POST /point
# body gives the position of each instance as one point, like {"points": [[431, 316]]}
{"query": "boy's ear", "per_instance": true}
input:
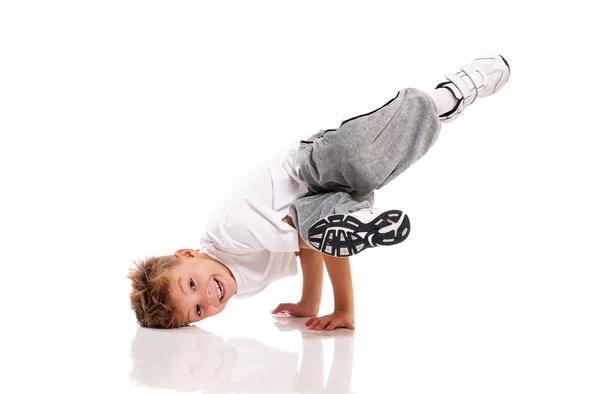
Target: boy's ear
{"points": [[185, 253]]}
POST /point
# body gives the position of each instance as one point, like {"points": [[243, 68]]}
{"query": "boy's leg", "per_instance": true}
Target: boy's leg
{"points": [[343, 167], [370, 150], [444, 100], [308, 210]]}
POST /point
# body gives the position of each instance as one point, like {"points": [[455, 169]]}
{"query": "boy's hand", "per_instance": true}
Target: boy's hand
{"points": [[298, 309], [332, 321]]}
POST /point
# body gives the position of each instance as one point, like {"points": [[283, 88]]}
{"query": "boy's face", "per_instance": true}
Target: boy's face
{"points": [[201, 286]]}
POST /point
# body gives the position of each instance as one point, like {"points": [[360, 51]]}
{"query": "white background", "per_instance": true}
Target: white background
{"points": [[121, 122]]}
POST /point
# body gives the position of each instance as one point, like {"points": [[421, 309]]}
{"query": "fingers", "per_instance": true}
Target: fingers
{"points": [[319, 323], [322, 324], [327, 323], [313, 322], [282, 308]]}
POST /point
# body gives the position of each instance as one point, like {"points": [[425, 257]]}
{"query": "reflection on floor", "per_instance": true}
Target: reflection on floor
{"points": [[191, 358]]}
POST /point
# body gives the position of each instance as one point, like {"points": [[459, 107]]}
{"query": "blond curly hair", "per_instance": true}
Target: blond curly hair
{"points": [[151, 292]]}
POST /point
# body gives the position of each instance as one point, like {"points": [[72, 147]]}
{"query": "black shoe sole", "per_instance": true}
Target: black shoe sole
{"points": [[337, 235]]}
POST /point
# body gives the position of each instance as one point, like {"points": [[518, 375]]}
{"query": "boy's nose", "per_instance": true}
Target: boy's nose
{"points": [[208, 300]]}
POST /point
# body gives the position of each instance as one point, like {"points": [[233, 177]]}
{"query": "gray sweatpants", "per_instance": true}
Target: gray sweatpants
{"points": [[343, 167]]}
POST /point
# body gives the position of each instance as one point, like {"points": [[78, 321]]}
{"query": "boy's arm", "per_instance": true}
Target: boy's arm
{"points": [[341, 281], [312, 279], [311, 261], [312, 286], [343, 294]]}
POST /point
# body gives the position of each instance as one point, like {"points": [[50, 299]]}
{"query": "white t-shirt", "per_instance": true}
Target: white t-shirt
{"points": [[245, 230]]}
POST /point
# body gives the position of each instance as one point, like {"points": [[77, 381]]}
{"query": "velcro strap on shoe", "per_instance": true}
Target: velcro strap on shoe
{"points": [[476, 75], [462, 87], [453, 89]]}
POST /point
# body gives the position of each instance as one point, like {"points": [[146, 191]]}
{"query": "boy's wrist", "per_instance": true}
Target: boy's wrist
{"points": [[310, 304], [344, 309]]}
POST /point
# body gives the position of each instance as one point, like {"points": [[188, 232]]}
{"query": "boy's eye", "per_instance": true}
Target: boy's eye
{"points": [[198, 311], [192, 285]]}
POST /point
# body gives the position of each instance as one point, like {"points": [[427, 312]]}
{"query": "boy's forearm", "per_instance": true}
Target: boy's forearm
{"points": [[341, 281], [312, 270], [312, 277]]}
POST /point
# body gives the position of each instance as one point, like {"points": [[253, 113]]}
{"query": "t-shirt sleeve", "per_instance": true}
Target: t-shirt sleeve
{"points": [[251, 226]]}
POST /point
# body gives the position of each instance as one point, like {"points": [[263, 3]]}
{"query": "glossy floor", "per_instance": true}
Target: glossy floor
{"points": [[192, 359], [436, 344]]}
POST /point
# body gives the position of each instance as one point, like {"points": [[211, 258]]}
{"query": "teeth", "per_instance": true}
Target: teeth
{"points": [[220, 290]]}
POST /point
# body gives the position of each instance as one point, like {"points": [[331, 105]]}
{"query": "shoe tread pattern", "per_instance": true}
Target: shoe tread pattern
{"points": [[338, 235]]}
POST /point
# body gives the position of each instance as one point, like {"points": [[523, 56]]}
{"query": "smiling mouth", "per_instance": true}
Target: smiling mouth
{"points": [[220, 289]]}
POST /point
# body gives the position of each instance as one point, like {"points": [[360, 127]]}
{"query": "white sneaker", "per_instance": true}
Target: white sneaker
{"points": [[349, 234], [480, 78]]}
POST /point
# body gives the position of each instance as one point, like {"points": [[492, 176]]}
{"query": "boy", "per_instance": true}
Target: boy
{"points": [[313, 200]]}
